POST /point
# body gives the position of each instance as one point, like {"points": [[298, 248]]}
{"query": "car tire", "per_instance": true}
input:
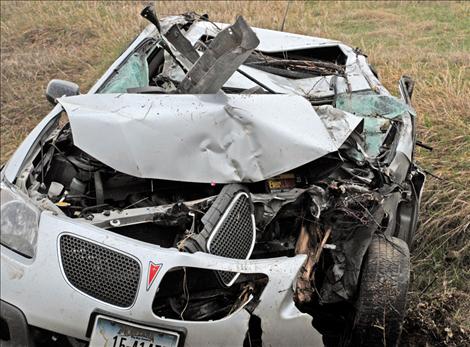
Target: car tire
{"points": [[380, 306]]}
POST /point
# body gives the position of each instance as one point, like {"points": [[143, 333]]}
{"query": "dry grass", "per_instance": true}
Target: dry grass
{"points": [[429, 41]]}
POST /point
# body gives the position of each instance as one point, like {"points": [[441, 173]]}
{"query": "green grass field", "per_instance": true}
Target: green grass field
{"points": [[429, 41]]}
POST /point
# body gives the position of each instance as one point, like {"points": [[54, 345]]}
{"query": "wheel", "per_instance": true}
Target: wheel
{"points": [[380, 306]]}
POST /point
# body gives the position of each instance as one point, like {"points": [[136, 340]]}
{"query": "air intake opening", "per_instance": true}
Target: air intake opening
{"points": [[100, 272], [195, 294], [229, 229]]}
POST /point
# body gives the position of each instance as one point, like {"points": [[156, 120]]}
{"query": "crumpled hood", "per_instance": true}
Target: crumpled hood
{"points": [[202, 138]]}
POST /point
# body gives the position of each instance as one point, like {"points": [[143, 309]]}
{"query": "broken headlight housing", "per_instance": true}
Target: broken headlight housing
{"points": [[19, 222]]}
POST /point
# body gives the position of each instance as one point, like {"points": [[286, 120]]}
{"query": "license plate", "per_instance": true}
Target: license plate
{"points": [[116, 333]]}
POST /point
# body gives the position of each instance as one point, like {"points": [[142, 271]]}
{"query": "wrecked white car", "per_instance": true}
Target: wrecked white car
{"points": [[220, 185]]}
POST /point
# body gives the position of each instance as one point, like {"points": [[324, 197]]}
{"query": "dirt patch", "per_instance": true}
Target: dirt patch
{"points": [[49, 36], [433, 320]]}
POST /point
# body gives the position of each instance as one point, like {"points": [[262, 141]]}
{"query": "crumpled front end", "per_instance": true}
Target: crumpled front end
{"points": [[70, 250]]}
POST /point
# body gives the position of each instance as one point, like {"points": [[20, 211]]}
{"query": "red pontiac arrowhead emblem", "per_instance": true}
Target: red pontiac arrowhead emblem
{"points": [[153, 271]]}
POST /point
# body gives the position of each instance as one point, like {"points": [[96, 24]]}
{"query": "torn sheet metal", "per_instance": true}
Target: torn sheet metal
{"points": [[268, 205], [225, 54], [200, 138], [337, 122], [357, 74], [281, 321], [271, 41], [181, 43]]}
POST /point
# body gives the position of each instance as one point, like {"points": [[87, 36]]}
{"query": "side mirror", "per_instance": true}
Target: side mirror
{"points": [[149, 13], [406, 85], [58, 88]]}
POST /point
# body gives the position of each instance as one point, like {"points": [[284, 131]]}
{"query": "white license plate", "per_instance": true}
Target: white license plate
{"points": [[116, 333]]}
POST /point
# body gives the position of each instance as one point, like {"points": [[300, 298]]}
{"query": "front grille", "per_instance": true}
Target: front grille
{"points": [[100, 272], [234, 234]]}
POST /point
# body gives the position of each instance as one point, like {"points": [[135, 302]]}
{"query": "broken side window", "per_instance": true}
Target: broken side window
{"points": [[136, 70], [380, 113]]}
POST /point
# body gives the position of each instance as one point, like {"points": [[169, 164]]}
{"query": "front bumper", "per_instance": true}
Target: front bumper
{"points": [[38, 288], [17, 326]]}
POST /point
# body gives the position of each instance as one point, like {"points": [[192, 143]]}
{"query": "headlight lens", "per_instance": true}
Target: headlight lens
{"points": [[19, 223]]}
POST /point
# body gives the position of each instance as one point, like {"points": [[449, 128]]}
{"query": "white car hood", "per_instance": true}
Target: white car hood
{"points": [[216, 138]]}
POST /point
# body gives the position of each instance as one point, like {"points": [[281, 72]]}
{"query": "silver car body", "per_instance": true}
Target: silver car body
{"points": [[38, 286]]}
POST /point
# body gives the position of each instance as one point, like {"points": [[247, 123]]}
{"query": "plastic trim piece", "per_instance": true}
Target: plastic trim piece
{"points": [[17, 326], [222, 220]]}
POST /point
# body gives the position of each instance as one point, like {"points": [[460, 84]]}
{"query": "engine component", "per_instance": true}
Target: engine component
{"points": [[77, 186], [55, 189], [202, 297]]}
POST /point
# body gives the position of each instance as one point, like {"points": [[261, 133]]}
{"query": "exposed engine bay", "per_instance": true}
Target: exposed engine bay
{"points": [[328, 208]]}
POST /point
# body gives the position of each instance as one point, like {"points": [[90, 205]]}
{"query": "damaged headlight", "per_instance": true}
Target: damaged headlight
{"points": [[19, 222]]}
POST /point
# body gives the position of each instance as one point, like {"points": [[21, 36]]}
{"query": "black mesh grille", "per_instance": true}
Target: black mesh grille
{"points": [[234, 237], [104, 274]]}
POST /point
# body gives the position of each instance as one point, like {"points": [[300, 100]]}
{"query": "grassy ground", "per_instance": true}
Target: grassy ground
{"points": [[428, 41]]}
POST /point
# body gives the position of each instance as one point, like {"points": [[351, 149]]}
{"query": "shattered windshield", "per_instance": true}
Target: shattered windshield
{"points": [[133, 74]]}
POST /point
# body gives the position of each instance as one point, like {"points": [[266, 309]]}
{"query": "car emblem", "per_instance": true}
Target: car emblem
{"points": [[152, 274]]}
